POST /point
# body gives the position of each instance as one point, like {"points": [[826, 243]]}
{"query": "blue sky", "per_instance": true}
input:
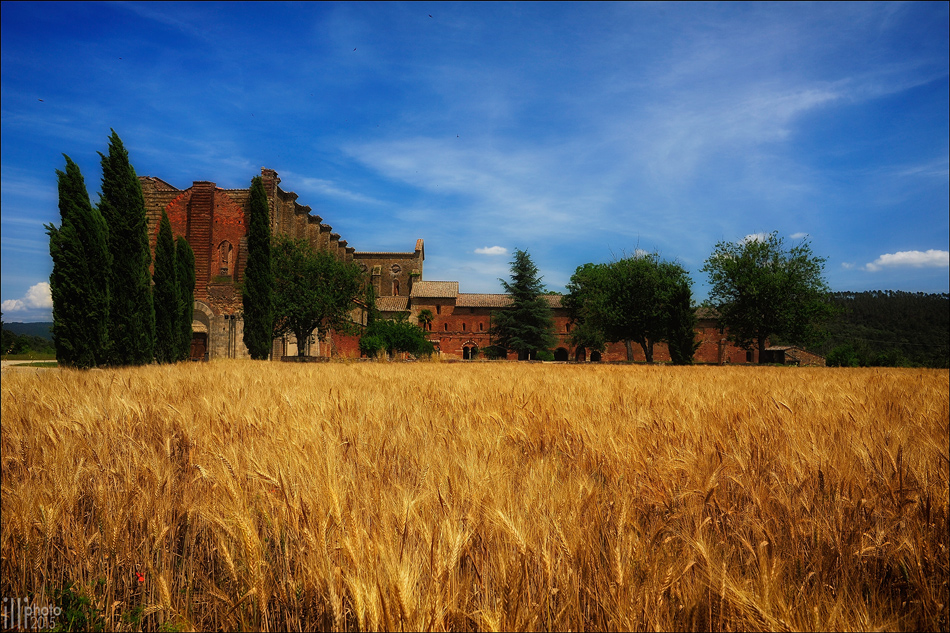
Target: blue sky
{"points": [[578, 132]]}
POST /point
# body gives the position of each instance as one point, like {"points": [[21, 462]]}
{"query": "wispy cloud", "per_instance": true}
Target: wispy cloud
{"points": [[492, 250], [916, 259], [322, 187]]}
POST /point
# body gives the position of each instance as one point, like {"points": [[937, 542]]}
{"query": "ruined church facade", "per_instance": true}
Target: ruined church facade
{"points": [[215, 223]]}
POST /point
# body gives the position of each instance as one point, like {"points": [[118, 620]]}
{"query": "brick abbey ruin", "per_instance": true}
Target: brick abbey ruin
{"points": [[213, 221]]}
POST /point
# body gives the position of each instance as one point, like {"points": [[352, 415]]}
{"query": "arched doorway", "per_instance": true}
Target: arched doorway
{"points": [[580, 354], [595, 357], [200, 329], [560, 354]]}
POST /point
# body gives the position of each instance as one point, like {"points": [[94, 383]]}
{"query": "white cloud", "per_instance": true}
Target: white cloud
{"points": [[37, 297], [917, 259], [798, 236], [755, 237], [492, 250]]}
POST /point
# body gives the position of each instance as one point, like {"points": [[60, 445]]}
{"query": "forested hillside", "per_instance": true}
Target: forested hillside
{"points": [[889, 328], [42, 329]]}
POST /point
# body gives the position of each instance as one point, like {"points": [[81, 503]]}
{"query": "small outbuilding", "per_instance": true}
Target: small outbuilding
{"points": [[790, 355]]}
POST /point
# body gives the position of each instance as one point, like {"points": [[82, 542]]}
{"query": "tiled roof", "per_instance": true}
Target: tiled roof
{"points": [[392, 304], [472, 300], [441, 289]]}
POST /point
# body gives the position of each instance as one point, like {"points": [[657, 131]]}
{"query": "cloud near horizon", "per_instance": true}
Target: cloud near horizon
{"points": [[918, 259], [38, 297]]}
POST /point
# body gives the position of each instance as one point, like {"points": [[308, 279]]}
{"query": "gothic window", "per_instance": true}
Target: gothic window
{"points": [[463, 327], [481, 327], [224, 257], [445, 327], [395, 287]]}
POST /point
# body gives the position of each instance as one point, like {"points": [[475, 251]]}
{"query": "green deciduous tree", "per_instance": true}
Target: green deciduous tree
{"points": [[639, 299], [762, 289], [167, 296], [526, 326], [395, 335], [79, 282], [257, 289], [587, 301], [313, 290], [681, 318], [185, 260], [131, 308]]}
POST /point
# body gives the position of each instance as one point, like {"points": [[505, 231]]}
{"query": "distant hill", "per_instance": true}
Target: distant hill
{"points": [[40, 329], [890, 327]]}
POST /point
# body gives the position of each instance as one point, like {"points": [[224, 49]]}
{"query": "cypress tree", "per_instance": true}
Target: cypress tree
{"points": [[131, 310], [526, 327], [185, 258], [257, 291], [167, 300], [79, 283]]}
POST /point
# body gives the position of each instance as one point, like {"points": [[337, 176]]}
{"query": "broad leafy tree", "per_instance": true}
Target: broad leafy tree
{"points": [[681, 316], [79, 282], [257, 289], [395, 335], [131, 308], [185, 260], [526, 326], [313, 290], [639, 299], [168, 329], [761, 289], [586, 299]]}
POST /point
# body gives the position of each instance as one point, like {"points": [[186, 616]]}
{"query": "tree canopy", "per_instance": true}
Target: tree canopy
{"points": [[167, 296], [257, 289], [185, 262], [313, 290], [761, 288], [526, 326], [131, 308], [79, 283], [638, 299], [395, 335]]}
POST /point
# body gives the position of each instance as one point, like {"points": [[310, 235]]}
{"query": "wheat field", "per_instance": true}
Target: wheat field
{"points": [[489, 496]]}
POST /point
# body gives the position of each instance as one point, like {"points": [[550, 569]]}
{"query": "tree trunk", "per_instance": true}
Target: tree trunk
{"points": [[629, 345], [301, 343], [647, 346]]}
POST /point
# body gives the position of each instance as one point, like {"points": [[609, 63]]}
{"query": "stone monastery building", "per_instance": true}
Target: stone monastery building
{"points": [[214, 223]]}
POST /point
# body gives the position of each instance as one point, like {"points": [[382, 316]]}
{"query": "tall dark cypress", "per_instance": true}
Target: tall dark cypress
{"points": [[131, 310], [166, 293], [526, 326], [257, 290], [79, 283], [185, 258]]}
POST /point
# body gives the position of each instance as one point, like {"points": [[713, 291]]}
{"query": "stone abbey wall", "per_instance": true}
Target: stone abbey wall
{"points": [[215, 223]]}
